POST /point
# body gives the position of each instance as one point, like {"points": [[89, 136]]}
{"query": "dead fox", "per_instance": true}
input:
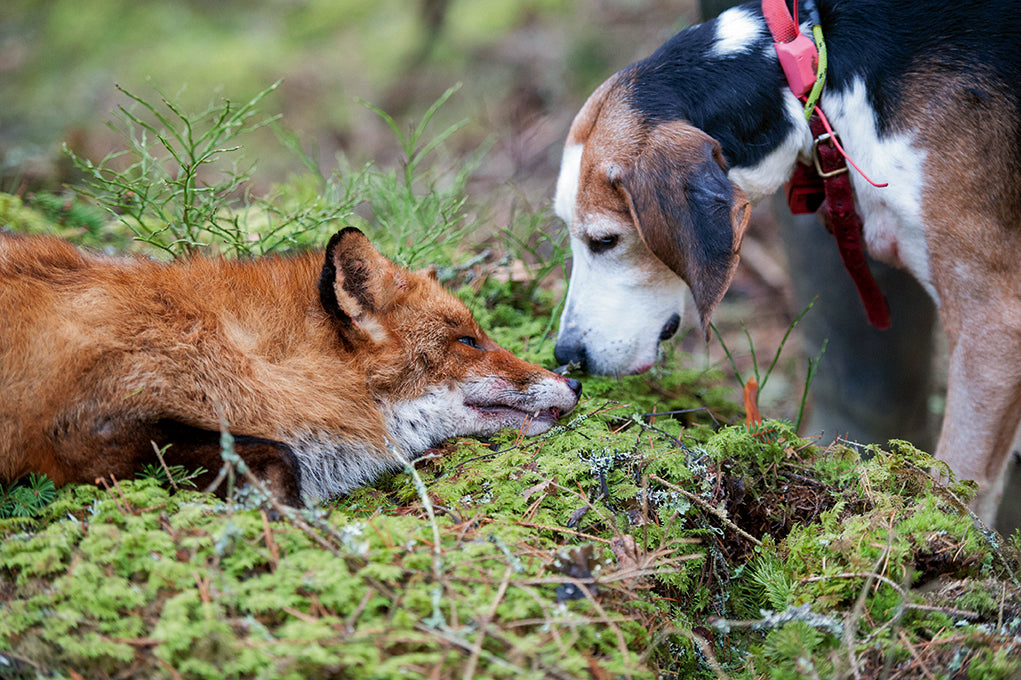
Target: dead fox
{"points": [[327, 367]]}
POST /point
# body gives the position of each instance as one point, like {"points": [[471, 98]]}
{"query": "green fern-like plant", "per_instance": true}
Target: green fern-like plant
{"points": [[27, 496], [183, 184], [172, 475], [769, 574], [414, 214]]}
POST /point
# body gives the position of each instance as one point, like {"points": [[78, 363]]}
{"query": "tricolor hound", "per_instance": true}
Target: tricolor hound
{"points": [[662, 162]]}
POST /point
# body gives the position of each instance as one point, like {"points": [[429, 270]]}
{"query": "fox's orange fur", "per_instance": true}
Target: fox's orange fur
{"points": [[327, 367]]}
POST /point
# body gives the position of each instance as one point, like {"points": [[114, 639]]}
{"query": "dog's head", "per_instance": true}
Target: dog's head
{"points": [[650, 208]]}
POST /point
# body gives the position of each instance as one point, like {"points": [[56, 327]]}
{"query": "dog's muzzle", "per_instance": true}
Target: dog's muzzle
{"points": [[570, 349]]}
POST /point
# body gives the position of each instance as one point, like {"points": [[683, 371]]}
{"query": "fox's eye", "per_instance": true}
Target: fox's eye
{"points": [[602, 244], [470, 341]]}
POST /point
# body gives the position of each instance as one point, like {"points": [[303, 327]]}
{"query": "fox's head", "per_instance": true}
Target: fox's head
{"points": [[431, 368]]}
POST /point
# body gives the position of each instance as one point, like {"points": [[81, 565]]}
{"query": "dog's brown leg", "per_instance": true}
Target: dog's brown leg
{"points": [[983, 406]]}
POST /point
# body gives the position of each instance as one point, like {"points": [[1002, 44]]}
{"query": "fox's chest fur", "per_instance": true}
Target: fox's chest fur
{"points": [[344, 368]]}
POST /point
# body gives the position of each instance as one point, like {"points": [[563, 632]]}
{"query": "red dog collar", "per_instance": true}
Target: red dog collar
{"points": [[829, 179], [798, 54]]}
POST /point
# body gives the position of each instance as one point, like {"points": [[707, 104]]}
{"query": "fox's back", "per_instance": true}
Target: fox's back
{"points": [[42, 315], [47, 286], [86, 326]]}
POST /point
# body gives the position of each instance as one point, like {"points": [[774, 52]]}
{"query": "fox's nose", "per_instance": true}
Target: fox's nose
{"points": [[575, 386]]}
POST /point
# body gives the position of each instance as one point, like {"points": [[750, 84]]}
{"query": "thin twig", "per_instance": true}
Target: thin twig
{"points": [[423, 495], [851, 627], [271, 545], [456, 640], [362, 604], [159, 456], [170, 669], [707, 651], [708, 508], [949, 611], [563, 530], [916, 657]]}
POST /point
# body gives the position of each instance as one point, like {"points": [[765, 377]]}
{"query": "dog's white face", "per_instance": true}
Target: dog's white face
{"points": [[649, 208], [621, 301]]}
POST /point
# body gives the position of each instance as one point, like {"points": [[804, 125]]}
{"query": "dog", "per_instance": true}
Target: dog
{"points": [[664, 160], [328, 367]]}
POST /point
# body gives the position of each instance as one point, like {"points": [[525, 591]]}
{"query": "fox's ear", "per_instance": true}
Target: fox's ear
{"points": [[356, 282]]}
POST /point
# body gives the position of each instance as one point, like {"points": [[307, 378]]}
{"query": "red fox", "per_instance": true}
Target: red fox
{"points": [[328, 367]]}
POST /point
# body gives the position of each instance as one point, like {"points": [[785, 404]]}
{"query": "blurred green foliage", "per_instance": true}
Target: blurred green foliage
{"points": [[60, 59]]}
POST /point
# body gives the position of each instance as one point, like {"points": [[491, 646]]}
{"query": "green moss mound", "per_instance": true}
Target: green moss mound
{"points": [[610, 547]]}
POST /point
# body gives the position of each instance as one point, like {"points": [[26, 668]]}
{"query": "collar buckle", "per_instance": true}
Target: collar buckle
{"points": [[837, 168]]}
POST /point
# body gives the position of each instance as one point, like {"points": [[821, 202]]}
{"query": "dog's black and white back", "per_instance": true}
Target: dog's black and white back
{"points": [[662, 161]]}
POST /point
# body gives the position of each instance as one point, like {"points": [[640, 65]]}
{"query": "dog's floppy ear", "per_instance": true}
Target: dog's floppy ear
{"points": [[356, 282], [686, 210]]}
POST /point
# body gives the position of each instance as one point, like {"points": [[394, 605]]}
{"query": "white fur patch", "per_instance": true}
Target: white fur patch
{"points": [[567, 183], [331, 466], [414, 425], [481, 405], [736, 30], [894, 231], [373, 327]]}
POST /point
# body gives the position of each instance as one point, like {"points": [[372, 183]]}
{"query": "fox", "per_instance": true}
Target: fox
{"points": [[328, 367]]}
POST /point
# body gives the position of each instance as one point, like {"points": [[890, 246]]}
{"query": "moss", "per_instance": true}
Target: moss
{"points": [[998, 664], [223, 594], [16, 216]]}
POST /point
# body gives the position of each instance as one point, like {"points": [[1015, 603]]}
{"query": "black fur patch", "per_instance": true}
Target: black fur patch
{"points": [[356, 283], [328, 278], [737, 98], [687, 227], [194, 447], [881, 42], [734, 98], [709, 195]]}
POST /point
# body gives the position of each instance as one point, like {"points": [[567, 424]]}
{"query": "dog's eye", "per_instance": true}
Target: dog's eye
{"points": [[603, 243], [470, 341]]}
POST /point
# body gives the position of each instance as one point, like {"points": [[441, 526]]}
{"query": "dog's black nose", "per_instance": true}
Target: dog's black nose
{"points": [[575, 386], [671, 326], [571, 353]]}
